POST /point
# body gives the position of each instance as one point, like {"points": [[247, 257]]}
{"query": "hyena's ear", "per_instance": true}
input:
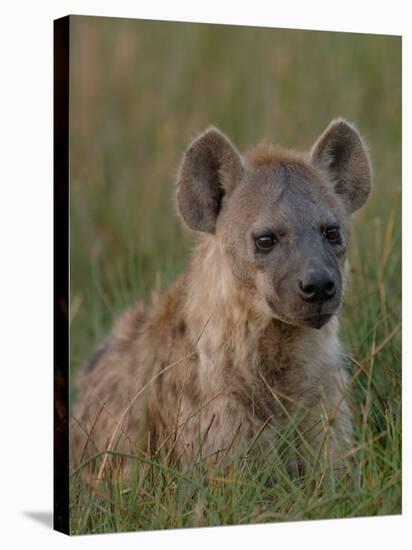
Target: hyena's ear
{"points": [[341, 153], [210, 169]]}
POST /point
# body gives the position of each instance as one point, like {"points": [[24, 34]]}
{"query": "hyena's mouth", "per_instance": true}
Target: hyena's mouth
{"points": [[316, 321]]}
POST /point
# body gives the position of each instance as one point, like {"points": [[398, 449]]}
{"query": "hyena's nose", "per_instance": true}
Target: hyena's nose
{"points": [[317, 286]]}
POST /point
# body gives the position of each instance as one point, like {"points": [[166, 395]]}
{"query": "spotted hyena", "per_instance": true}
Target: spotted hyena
{"points": [[246, 339]]}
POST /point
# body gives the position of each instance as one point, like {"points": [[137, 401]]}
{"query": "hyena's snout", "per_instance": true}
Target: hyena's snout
{"points": [[309, 296], [316, 286]]}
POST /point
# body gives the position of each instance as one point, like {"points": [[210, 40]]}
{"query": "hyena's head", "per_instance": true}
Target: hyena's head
{"points": [[280, 218]]}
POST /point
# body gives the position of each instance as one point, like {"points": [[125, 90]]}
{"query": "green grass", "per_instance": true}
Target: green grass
{"points": [[139, 92]]}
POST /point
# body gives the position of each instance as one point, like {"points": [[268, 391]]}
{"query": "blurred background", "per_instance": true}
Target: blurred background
{"points": [[141, 90]]}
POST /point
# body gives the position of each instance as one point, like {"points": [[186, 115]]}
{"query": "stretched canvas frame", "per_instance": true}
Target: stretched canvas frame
{"points": [[387, 231]]}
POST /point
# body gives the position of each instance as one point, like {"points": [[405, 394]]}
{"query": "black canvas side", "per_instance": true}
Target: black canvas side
{"points": [[61, 273]]}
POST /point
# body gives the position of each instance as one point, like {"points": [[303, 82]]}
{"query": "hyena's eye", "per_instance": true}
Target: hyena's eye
{"points": [[332, 234], [265, 243]]}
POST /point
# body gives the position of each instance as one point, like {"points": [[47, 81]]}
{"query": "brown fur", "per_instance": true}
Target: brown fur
{"points": [[266, 154], [231, 348]]}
